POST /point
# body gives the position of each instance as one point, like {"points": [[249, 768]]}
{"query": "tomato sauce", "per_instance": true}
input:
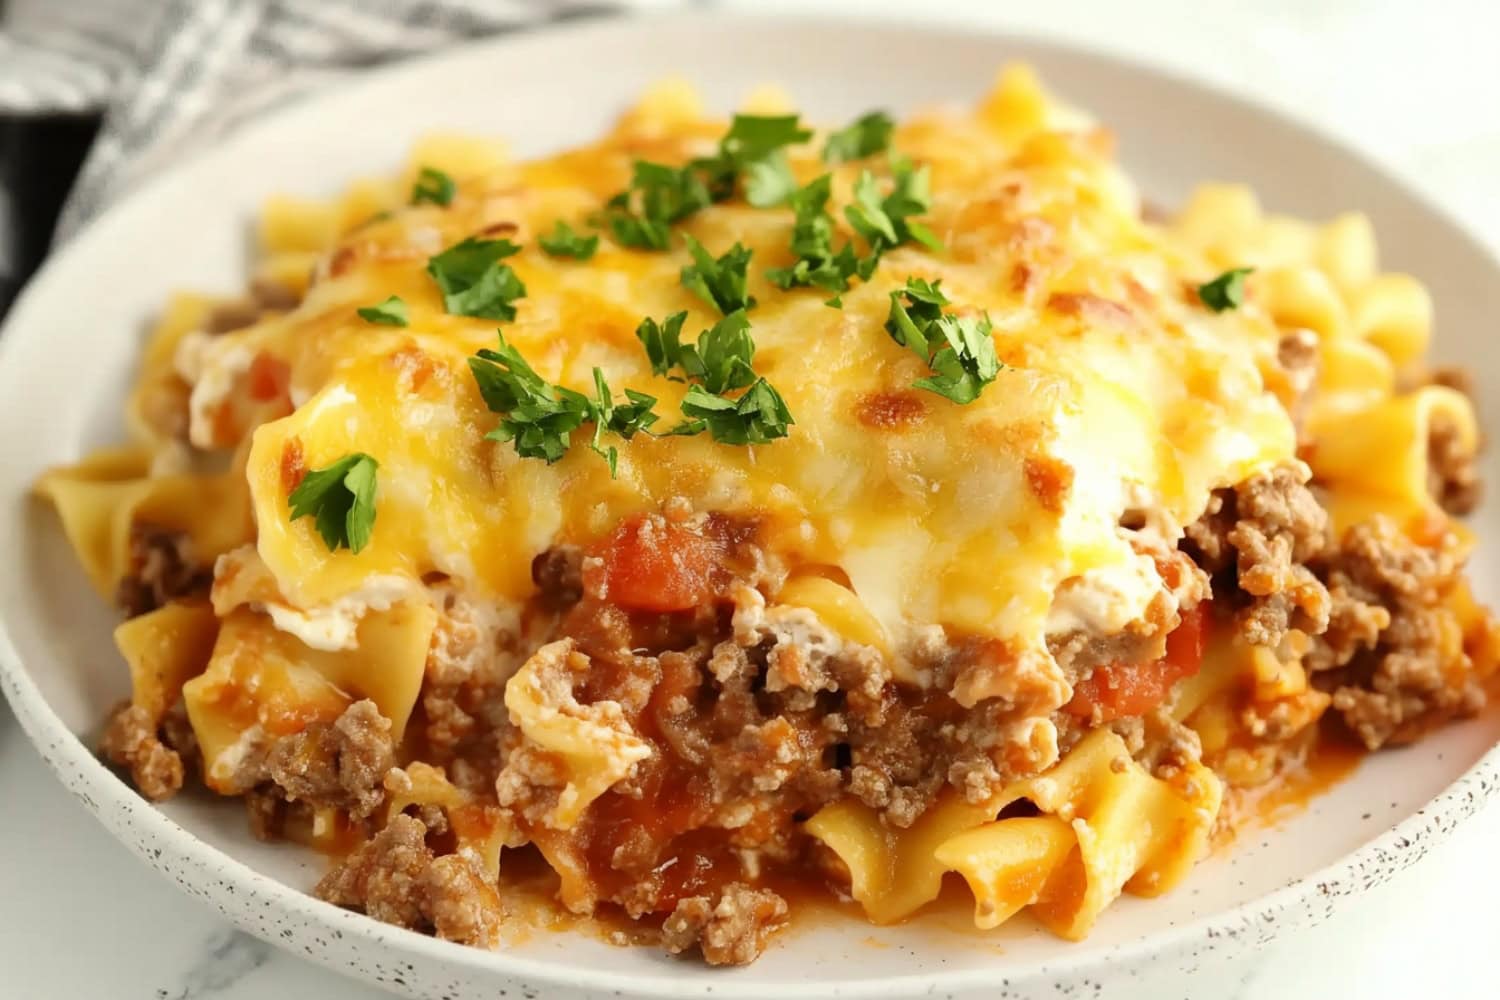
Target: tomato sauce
{"points": [[1120, 690]]}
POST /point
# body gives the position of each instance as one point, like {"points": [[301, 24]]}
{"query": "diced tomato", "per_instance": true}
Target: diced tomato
{"points": [[269, 378], [1121, 690], [651, 564]]}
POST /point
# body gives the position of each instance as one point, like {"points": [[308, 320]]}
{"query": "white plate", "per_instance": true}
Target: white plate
{"points": [[71, 344]]}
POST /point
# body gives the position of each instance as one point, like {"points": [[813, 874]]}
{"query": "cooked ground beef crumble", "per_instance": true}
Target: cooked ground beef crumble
{"points": [[756, 715]]}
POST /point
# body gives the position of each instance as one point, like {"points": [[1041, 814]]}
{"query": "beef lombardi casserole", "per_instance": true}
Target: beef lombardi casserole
{"points": [[727, 512]]}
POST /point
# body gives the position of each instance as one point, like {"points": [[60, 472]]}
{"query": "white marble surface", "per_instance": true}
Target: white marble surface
{"points": [[1415, 82]]}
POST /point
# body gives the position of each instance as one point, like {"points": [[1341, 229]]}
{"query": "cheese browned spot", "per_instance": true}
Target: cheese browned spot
{"points": [[1050, 479], [895, 410]]}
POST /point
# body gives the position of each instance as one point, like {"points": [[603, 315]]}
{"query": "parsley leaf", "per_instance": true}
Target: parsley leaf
{"points": [[641, 216], [564, 242], [967, 364], [812, 241], [663, 343], [341, 500], [434, 186], [754, 137], [886, 221], [1225, 292], [755, 149], [539, 418], [391, 312], [758, 417], [721, 283], [474, 282], [867, 135], [625, 419], [959, 349], [769, 182], [720, 360]]}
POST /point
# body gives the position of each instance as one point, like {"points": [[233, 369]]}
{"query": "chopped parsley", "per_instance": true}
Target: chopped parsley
{"points": [[720, 360], [959, 349], [341, 500], [1225, 292], [564, 242], [818, 264], [755, 149], [539, 417], [474, 282], [760, 416], [717, 364], [642, 215], [391, 312], [886, 220], [433, 186], [721, 283], [663, 341], [865, 136]]}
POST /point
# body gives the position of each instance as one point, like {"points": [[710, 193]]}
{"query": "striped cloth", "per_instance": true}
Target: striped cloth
{"points": [[173, 75]]}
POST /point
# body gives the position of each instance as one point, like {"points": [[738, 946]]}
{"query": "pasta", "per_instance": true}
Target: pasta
{"points": [[989, 526]]}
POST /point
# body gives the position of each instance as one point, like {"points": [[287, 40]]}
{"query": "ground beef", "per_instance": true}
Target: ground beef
{"points": [[1392, 656], [394, 877], [461, 903], [159, 568], [383, 877], [1255, 540], [558, 575], [474, 651], [729, 929], [1452, 479], [342, 763], [131, 741]]}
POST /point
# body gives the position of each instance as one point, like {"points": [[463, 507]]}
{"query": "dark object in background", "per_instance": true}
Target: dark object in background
{"points": [[39, 158]]}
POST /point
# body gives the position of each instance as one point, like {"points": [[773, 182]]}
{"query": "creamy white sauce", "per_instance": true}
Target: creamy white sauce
{"points": [[333, 626], [233, 756], [1105, 600]]}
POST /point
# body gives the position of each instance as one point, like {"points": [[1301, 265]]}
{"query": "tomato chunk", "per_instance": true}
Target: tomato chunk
{"points": [[1120, 690], [651, 564]]}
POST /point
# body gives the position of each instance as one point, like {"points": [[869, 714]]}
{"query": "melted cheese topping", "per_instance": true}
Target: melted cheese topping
{"points": [[1118, 385]]}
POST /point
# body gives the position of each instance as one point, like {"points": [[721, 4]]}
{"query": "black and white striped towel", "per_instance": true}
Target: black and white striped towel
{"points": [[172, 75]]}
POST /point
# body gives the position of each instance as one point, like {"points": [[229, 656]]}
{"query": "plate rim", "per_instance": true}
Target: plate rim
{"points": [[118, 807]]}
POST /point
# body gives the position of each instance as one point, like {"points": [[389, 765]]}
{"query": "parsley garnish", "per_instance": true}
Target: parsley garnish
{"points": [[432, 185], [720, 360], [341, 499], [867, 135], [886, 220], [758, 417], [474, 282], [721, 283], [958, 349], [755, 148], [812, 241], [564, 242], [539, 418], [391, 312], [718, 363], [663, 342], [641, 216], [1227, 291]]}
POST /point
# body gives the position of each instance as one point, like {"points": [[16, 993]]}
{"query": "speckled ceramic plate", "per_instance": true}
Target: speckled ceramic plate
{"points": [[70, 346]]}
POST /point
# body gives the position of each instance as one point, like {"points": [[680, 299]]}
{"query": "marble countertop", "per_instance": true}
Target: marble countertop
{"points": [[1414, 82]]}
